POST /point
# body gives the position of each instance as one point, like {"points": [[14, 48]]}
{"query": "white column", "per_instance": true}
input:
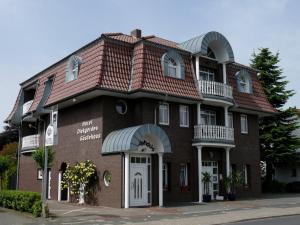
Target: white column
{"points": [[197, 68], [200, 172], [224, 73], [126, 181], [59, 187], [160, 179], [227, 162], [198, 113], [226, 116]]}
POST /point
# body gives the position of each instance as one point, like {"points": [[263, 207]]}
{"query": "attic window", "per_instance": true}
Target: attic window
{"points": [[172, 64], [244, 82], [73, 68]]}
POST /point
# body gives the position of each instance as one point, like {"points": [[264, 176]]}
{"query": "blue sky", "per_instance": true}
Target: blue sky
{"points": [[35, 34]]}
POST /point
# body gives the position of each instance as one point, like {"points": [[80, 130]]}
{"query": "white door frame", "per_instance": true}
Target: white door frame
{"points": [[210, 170], [147, 178]]}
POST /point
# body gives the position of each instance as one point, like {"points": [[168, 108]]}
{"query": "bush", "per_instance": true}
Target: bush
{"points": [[273, 187], [293, 187], [24, 201], [37, 208]]}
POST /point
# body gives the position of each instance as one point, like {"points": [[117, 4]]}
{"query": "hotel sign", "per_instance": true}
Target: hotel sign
{"points": [[49, 140], [88, 131]]}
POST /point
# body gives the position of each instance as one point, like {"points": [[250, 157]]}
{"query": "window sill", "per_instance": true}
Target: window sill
{"points": [[164, 124], [182, 126]]}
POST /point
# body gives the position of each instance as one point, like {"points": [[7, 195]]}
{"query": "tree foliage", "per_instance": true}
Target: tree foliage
{"points": [[4, 166], [82, 173], [278, 144], [10, 134], [39, 157]]}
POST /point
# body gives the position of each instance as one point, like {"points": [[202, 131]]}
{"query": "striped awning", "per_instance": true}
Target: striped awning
{"points": [[131, 138]]}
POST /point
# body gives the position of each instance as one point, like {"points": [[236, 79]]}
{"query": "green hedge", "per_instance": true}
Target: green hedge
{"points": [[24, 201]]}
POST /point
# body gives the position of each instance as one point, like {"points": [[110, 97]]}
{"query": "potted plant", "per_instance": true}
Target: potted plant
{"points": [[206, 179], [231, 184]]}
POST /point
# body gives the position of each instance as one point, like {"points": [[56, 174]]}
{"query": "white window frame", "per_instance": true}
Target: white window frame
{"points": [[173, 67], [208, 73], [185, 183], [184, 116], [165, 176], [72, 68], [166, 115], [230, 120], [244, 124], [210, 114]]}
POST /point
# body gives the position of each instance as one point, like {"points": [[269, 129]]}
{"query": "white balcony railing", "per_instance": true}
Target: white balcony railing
{"points": [[214, 133], [27, 106], [215, 88], [30, 142]]}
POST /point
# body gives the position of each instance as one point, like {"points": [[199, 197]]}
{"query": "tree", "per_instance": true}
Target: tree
{"points": [[79, 178], [278, 144], [4, 166], [39, 157], [10, 134]]}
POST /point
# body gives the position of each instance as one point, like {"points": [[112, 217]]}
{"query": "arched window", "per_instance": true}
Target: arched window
{"points": [[73, 68], [172, 64], [244, 81]]}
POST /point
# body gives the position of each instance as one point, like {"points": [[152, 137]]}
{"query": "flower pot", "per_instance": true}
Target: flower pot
{"points": [[231, 197], [206, 198]]}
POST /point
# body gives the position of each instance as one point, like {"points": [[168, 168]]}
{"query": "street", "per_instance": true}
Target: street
{"points": [[274, 209]]}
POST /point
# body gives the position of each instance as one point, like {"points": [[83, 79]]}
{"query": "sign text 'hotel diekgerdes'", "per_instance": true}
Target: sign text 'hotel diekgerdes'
{"points": [[88, 131]]}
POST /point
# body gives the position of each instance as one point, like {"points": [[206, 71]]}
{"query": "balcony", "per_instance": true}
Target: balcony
{"points": [[214, 134], [30, 142], [215, 89], [26, 106]]}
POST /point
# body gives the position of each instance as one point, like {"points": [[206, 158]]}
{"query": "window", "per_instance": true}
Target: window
{"points": [[207, 74], [73, 68], [173, 64], [184, 116], [244, 82], [230, 120], [183, 175], [121, 107], [164, 114], [244, 124], [294, 173], [246, 170], [208, 117], [165, 176]]}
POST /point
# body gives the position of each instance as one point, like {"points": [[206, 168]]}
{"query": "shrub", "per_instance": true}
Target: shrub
{"points": [[24, 201], [37, 208], [273, 187], [293, 187]]}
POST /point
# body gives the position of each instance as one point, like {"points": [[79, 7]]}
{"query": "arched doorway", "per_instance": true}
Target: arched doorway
{"points": [[62, 192]]}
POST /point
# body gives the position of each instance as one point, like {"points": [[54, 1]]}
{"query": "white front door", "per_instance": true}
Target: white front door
{"points": [[212, 168], [139, 185]]}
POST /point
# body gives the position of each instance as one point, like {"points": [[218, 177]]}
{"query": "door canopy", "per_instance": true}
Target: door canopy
{"points": [[146, 138], [213, 41]]}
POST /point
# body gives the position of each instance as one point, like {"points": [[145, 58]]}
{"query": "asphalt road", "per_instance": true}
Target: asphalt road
{"points": [[285, 220]]}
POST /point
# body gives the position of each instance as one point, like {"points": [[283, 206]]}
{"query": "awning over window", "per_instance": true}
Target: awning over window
{"points": [[143, 138]]}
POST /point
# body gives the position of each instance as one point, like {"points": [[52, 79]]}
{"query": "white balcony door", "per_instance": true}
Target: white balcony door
{"points": [[139, 181], [208, 117], [207, 74]]}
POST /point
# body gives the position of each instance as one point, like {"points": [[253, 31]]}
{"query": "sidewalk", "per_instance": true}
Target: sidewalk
{"points": [[209, 213]]}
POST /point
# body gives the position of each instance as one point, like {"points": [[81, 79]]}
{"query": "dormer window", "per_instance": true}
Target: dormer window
{"points": [[73, 68], [172, 64], [244, 81]]}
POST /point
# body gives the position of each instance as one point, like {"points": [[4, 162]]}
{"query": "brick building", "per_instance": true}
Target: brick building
{"points": [[152, 113]]}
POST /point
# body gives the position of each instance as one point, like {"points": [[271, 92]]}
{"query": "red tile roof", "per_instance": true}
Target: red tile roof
{"points": [[256, 101], [121, 62]]}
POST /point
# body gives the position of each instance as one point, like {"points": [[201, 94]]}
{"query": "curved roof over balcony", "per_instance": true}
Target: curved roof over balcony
{"points": [[213, 40], [132, 138]]}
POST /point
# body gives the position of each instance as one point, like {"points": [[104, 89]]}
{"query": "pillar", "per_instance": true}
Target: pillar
{"points": [[227, 162], [224, 73], [126, 181], [160, 179], [198, 113], [197, 68], [200, 172]]}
